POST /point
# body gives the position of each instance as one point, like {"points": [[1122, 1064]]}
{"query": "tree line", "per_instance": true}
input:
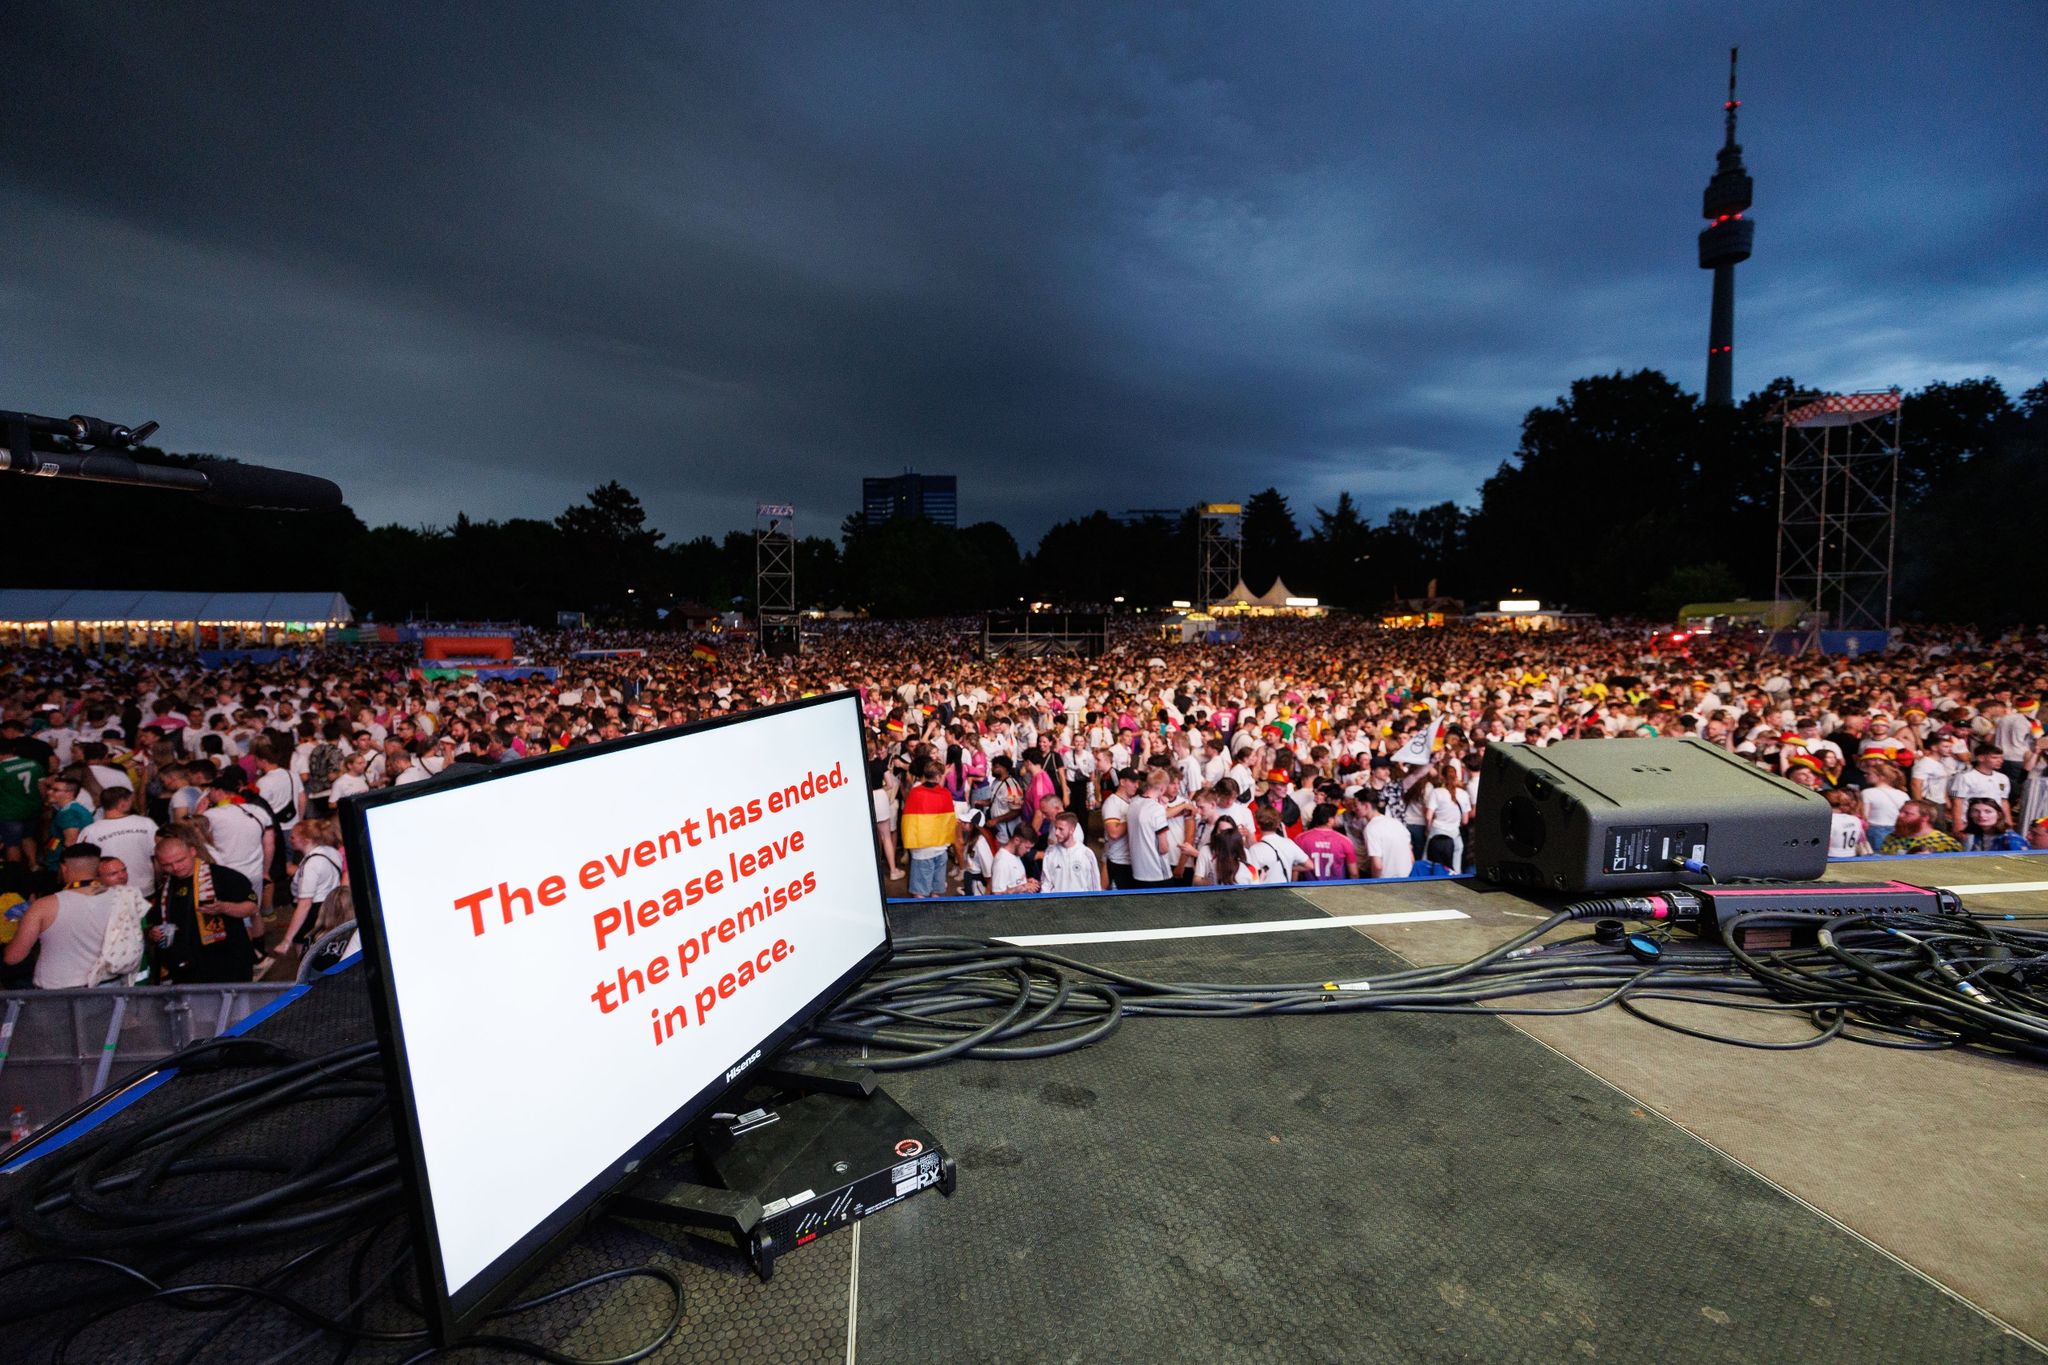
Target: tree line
{"points": [[1626, 495]]}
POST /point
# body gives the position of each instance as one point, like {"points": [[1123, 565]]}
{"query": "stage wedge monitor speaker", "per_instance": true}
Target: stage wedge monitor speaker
{"points": [[1612, 814]]}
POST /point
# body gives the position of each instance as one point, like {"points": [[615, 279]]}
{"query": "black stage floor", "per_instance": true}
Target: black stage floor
{"points": [[1347, 1187]]}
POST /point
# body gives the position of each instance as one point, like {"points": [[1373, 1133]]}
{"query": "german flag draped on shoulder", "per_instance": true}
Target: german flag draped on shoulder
{"points": [[928, 818]]}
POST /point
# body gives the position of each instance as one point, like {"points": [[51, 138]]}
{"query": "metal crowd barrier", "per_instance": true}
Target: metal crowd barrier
{"points": [[60, 1047]]}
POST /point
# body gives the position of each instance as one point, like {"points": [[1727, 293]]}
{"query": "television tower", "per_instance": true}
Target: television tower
{"points": [[1722, 245]]}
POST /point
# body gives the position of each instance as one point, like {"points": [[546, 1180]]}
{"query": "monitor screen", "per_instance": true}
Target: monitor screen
{"points": [[573, 956]]}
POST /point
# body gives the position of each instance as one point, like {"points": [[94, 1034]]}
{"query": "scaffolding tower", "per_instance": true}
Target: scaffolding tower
{"points": [[775, 578], [1838, 516], [1220, 538]]}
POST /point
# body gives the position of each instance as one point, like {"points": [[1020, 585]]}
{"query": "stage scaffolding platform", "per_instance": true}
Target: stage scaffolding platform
{"points": [[1336, 1187]]}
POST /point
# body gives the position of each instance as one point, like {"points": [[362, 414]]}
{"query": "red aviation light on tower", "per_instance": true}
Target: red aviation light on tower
{"points": [[1728, 195]]}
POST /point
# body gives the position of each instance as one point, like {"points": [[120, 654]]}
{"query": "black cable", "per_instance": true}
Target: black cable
{"points": [[1832, 1030], [537, 1351], [946, 997], [185, 1059], [104, 1263], [329, 1189], [106, 1187], [345, 1327], [245, 1306]]}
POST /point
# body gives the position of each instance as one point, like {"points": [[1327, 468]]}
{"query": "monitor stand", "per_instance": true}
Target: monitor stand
{"points": [[825, 1148]]}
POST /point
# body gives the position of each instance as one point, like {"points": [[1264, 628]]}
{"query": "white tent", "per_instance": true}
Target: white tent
{"points": [[1239, 596], [94, 617], [1275, 596]]}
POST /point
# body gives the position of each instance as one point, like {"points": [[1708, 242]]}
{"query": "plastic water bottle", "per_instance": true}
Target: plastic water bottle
{"points": [[17, 1125]]}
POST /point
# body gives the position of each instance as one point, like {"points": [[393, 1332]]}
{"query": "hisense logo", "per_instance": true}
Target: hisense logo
{"points": [[751, 1058]]}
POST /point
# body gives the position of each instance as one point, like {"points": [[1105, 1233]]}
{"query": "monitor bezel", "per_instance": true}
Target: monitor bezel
{"points": [[450, 1314]]}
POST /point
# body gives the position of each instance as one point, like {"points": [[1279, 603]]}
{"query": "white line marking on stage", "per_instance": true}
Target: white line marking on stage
{"points": [[1271, 926], [853, 1293], [1997, 888]]}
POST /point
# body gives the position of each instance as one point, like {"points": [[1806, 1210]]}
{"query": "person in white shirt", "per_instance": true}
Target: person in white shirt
{"points": [[1810, 736], [1388, 849], [978, 864], [60, 737], [1068, 864], [403, 770], [1982, 780], [318, 843], [1230, 806], [284, 793], [1009, 877], [1079, 765], [1933, 770], [1445, 815], [302, 755], [105, 775], [121, 833], [371, 747], [440, 756], [1846, 838], [187, 788], [366, 720], [70, 924], [354, 779], [1200, 828], [1240, 777], [242, 834], [1006, 804], [1187, 763], [1116, 844], [1882, 798], [1275, 857], [1221, 861], [1149, 833]]}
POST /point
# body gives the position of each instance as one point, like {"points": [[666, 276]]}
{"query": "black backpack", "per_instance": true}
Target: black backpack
{"points": [[323, 765]]}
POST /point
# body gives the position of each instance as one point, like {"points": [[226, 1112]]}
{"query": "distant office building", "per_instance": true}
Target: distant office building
{"points": [[932, 496]]}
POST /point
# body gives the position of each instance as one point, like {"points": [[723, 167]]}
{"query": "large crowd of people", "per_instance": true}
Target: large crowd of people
{"points": [[199, 798]]}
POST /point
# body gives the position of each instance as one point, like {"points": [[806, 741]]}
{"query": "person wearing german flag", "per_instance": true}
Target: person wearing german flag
{"points": [[931, 831]]}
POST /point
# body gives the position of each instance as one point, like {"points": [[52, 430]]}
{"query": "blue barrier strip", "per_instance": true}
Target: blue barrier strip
{"points": [[1404, 881], [91, 1121], [1183, 890], [1966, 853], [235, 1030]]}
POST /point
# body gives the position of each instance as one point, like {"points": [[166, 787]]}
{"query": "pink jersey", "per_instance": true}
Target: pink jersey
{"points": [[1330, 854]]}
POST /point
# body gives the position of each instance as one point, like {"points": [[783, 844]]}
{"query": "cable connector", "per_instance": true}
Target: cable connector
{"points": [[1676, 906]]}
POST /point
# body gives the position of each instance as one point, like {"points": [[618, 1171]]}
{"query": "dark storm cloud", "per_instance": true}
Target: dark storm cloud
{"points": [[483, 261]]}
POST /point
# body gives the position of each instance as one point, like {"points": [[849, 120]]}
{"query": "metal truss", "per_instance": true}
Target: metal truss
{"points": [[775, 572], [1221, 548], [1838, 494]]}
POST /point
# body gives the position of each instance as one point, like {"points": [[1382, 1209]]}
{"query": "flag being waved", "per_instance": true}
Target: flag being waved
{"points": [[1417, 749]]}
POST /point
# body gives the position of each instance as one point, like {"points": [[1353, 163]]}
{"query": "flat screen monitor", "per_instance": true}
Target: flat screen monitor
{"points": [[572, 957]]}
